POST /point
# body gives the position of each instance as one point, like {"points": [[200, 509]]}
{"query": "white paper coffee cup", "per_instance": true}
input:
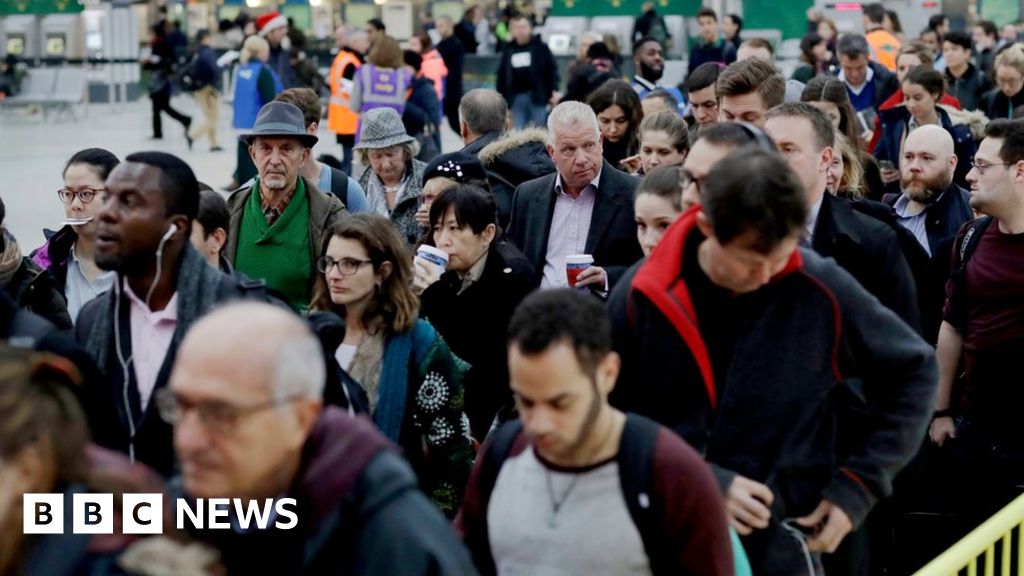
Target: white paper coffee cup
{"points": [[435, 256]]}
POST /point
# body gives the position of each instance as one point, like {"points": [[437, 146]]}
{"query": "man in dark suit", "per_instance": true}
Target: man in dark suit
{"points": [[586, 207], [865, 247]]}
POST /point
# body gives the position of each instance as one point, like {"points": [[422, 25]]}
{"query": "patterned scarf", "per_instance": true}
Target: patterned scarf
{"points": [[376, 193]]}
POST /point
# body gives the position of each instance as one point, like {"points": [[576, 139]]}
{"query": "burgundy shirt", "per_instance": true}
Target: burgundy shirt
{"points": [[987, 308]]}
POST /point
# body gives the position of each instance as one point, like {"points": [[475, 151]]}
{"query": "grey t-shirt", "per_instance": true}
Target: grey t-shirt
{"points": [[591, 533]]}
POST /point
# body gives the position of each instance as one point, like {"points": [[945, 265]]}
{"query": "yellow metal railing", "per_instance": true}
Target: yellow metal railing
{"points": [[976, 552]]}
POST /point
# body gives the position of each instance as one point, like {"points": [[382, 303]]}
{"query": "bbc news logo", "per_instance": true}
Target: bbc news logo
{"points": [[143, 514]]}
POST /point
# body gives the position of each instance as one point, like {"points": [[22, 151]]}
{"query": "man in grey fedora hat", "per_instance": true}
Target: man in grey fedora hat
{"points": [[394, 178], [281, 214]]}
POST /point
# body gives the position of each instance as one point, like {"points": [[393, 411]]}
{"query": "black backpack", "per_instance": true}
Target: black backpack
{"points": [[972, 236], [187, 75], [339, 185], [635, 459]]}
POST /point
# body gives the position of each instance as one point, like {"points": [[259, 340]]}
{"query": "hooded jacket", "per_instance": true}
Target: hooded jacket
{"points": [[359, 512], [812, 346], [510, 160]]}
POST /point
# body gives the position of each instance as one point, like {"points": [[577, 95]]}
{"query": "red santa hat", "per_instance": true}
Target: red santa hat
{"points": [[270, 21]]}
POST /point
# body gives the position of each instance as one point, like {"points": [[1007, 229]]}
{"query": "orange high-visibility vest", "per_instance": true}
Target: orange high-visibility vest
{"points": [[340, 118]]}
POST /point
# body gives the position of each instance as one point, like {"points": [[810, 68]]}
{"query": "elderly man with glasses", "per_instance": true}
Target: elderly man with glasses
{"points": [[249, 424]]}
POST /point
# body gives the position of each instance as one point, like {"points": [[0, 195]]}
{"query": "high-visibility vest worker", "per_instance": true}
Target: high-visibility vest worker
{"points": [[341, 119]]}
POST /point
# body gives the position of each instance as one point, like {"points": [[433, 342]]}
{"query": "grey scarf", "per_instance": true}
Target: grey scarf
{"points": [[366, 365], [197, 290]]}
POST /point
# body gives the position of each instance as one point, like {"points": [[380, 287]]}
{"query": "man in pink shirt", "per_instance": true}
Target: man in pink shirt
{"points": [[163, 287]]}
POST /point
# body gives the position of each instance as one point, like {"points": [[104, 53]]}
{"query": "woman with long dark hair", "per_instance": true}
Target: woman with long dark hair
{"points": [[814, 58], [619, 114]]}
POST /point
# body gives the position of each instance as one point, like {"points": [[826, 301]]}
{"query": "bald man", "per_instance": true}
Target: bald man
{"points": [[249, 424], [930, 205]]}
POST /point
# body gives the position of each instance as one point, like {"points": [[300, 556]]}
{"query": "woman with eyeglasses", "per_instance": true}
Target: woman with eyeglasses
{"points": [[45, 449], [412, 379], [69, 253], [473, 300], [1007, 99]]}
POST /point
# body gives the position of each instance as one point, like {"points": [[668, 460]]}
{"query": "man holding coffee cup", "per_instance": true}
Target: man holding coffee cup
{"points": [[585, 209]]}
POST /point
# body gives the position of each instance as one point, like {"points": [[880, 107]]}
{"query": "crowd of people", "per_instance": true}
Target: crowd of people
{"points": [[743, 325]]}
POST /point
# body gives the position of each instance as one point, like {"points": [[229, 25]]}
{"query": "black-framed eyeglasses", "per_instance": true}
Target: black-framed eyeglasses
{"points": [[688, 178], [346, 266], [981, 168], [216, 417], [86, 195]]}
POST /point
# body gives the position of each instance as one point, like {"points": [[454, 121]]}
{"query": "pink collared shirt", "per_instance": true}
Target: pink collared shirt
{"points": [[152, 332], [570, 225]]}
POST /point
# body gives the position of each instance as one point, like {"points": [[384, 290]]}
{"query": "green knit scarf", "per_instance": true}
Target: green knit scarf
{"points": [[278, 254]]}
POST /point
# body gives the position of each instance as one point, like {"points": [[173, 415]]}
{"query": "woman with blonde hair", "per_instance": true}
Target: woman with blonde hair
{"points": [[413, 382], [846, 174], [255, 85], [1008, 96]]}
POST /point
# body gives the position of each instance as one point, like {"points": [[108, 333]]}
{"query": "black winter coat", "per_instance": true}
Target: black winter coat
{"points": [[870, 251], [997, 105], [969, 88], [510, 160], [35, 290], [421, 108], [944, 218], [475, 323]]}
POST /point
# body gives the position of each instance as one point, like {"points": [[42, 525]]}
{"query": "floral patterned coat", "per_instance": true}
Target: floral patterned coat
{"points": [[420, 407]]}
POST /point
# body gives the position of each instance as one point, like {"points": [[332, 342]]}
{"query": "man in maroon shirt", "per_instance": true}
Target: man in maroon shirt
{"points": [[566, 496], [984, 323]]}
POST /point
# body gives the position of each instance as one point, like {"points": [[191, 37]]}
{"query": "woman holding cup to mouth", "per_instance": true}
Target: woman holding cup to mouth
{"points": [[443, 173], [473, 300], [69, 252]]}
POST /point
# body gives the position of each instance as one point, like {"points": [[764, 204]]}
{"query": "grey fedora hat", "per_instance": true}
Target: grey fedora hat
{"points": [[279, 120], [381, 128]]}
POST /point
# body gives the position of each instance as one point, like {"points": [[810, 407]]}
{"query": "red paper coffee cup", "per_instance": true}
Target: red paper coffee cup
{"points": [[576, 263]]}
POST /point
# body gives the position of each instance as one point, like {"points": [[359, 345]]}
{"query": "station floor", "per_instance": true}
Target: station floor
{"points": [[33, 151]]}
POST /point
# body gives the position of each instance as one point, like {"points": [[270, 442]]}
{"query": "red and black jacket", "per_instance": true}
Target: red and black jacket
{"points": [[812, 346]]}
